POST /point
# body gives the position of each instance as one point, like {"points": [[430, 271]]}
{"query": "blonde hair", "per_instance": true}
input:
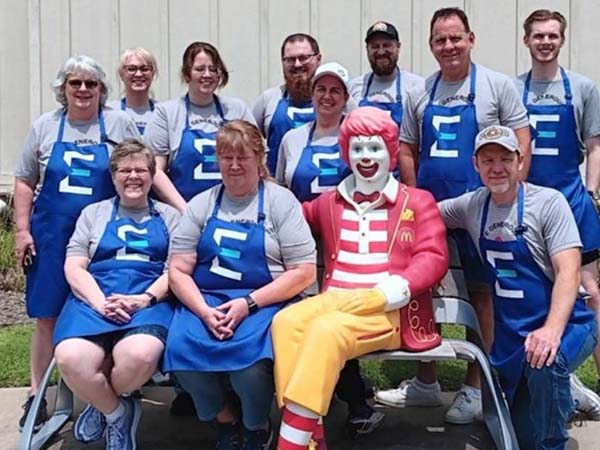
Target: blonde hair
{"points": [[141, 53], [238, 135]]}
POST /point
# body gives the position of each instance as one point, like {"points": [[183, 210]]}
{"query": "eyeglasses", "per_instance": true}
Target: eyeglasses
{"points": [[127, 171], [132, 68], [302, 59], [440, 39], [213, 70], [89, 84]]}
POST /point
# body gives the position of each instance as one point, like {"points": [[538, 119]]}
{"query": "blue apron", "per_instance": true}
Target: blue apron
{"points": [[141, 128], [522, 294], [130, 257], [231, 263], [285, 118], [395, 109], [448, 139], [556, 156], [75, 177], [319, 169], [195, 168], [446, 165]]}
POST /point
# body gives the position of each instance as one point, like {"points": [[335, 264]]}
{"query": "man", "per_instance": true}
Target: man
{"points": [[441, 119], [564, 114], [281, 108], [385, 249], [528, 238], [386, 85]]}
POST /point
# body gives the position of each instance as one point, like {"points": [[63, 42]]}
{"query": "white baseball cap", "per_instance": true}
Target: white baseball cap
{"points": [[497, 134], [334, 69]]}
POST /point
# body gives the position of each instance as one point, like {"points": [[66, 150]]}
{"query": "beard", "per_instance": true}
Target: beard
{"points": [[499, 188], [383, 67], [298, 85]]}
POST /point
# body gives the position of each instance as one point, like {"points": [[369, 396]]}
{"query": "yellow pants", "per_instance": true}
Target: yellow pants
{"points": [[314, 338]]}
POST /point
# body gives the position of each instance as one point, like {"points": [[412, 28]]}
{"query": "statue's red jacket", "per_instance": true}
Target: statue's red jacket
{"points": [[416, 247]]}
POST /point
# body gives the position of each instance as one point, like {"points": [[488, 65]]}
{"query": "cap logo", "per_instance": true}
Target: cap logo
{"points": [[493, 133], [380, 26]]}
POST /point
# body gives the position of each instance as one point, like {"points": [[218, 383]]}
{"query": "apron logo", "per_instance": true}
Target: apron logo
{"points": [[300, 115], [132, 244], [64, 185], [328, 169], [492, 256], [227, 253], [202, 146], [534, 120], [444, 136]]}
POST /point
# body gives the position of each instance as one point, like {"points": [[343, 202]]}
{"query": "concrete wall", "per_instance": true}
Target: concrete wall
{"points": [[37, 36]]}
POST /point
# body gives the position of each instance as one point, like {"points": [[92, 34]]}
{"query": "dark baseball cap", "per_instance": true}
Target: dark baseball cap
{"points": [[384, 28]]}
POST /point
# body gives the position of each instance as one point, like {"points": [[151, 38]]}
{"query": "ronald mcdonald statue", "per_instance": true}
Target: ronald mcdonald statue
{"points": [[384, 246]]}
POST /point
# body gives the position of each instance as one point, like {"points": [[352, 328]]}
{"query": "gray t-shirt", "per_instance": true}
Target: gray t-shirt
{"points": [[141, 116], [550, 224], [163, 133], [35, 154], [497, 102], [288, 240], [383, 91], [586, 100], [290, 150], [94, 218]]}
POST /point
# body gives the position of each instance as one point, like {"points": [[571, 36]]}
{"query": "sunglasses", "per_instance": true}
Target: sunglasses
{"points": [[89, 84]]}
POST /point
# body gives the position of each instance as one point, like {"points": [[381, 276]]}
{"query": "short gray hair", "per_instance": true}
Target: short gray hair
{"points": [[80, 63]]}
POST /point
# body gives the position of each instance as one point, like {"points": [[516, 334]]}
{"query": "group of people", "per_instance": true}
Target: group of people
{"points": [[154, 236]]}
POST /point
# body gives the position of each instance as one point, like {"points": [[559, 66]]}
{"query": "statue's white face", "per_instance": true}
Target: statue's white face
{"points": [[369, 158]]}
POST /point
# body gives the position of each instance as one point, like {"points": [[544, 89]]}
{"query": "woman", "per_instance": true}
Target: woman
{"points": [[182, 131], [63, 167], [242, 250], [309, 157], [137, 70], [111, 333]]}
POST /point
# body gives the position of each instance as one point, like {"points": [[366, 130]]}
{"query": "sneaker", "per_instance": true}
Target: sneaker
{"points": [[228, 436], [586, 400], [364, 420], [120, 435], [40, 419], [466, 407], [257, 440], [90, 425], [183, 405], [411, 393]]}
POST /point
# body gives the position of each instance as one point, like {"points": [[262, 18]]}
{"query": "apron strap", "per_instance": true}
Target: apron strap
{"points": [[123, 104], [261, 201], [103, 135], [567, 86], [219, 108], [61, 125], [398, 87]]}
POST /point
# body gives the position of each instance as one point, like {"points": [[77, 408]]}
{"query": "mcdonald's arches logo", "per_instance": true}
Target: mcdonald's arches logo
{"points": [[406, 235]]}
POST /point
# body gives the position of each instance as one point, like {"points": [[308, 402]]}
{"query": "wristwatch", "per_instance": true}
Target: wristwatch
{"points": [[151, 298], [596, 198], [252, 306]]}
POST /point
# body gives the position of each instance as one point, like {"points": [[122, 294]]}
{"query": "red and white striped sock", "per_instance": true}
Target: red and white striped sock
{"points": [[297, 426]]}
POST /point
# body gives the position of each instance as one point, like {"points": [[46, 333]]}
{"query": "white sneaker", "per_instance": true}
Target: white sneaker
{"points": [[586, 400], [411, 393], [466, 407]]}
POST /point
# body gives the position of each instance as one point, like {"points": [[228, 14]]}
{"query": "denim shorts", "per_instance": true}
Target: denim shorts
{"points": [[108, 340]]}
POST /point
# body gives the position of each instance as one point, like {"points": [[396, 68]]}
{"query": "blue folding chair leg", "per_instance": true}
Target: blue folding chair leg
{"points": [[62, 413]]}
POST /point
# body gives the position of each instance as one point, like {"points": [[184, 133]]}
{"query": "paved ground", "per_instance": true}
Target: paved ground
{"points": [[405, 429]]}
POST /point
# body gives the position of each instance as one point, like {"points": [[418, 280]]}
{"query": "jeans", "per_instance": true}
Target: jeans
{"points": [[543, 402], [253, 385]]}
